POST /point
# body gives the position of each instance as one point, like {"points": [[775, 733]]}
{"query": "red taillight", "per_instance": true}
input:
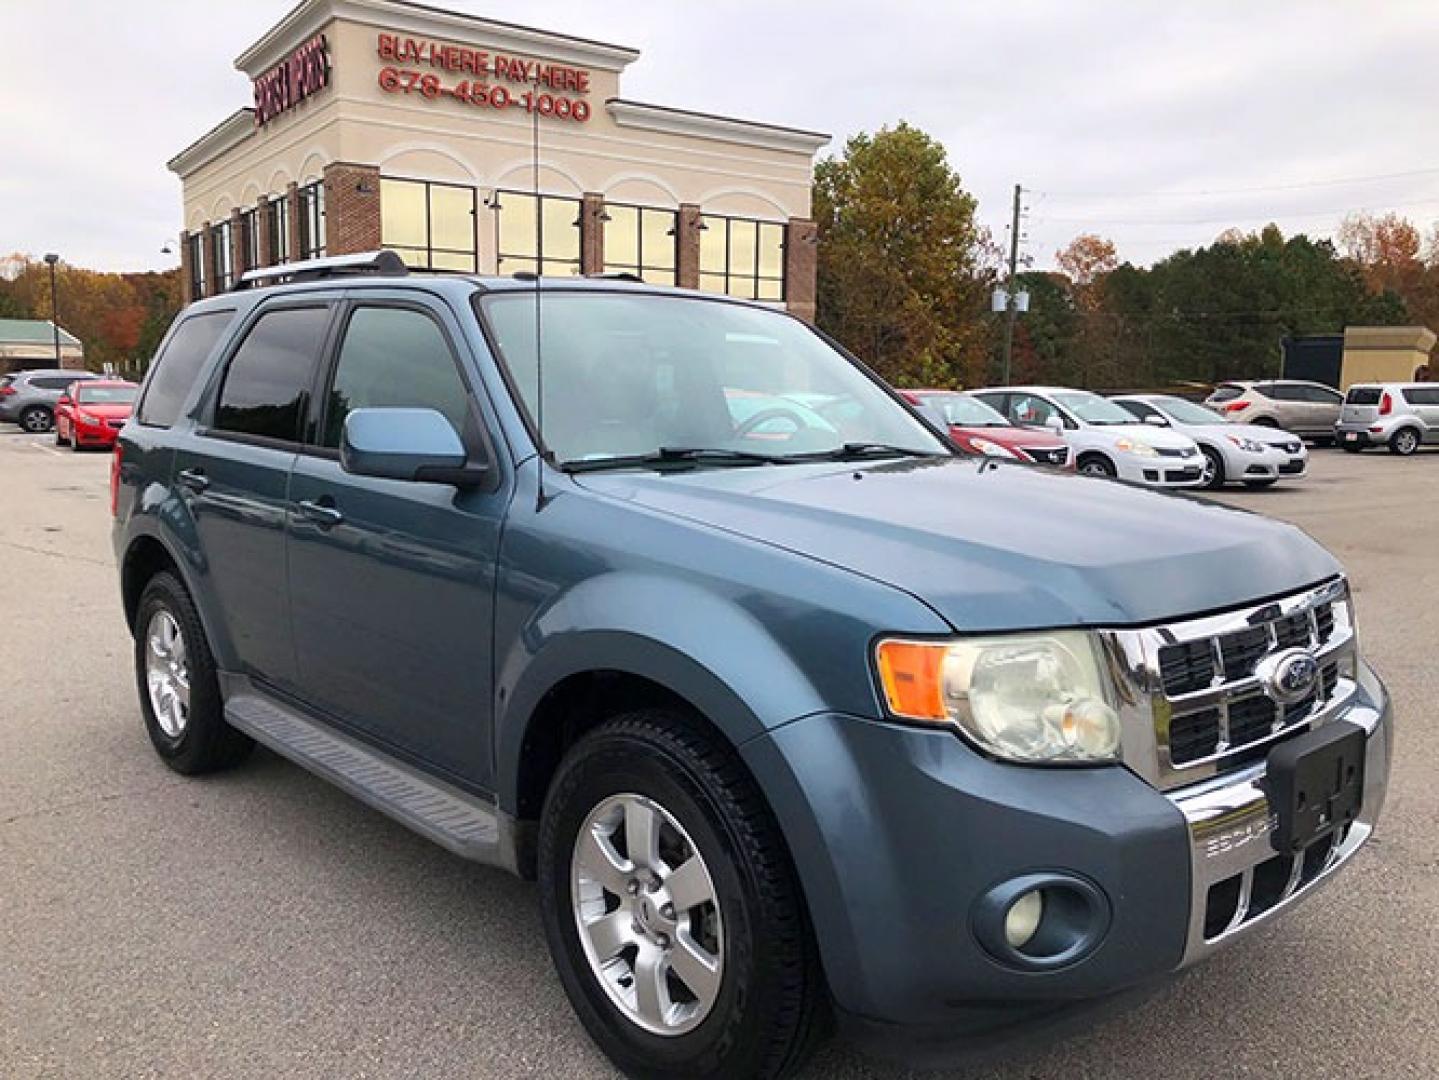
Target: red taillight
{"points": [[6, 391], [1386, 404], [115, 480], [1236, 406]]}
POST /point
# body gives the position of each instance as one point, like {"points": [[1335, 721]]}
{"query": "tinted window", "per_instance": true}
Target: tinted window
{"points": [[1321, 394], [267, 385], [175, 369], [394, 357], [1363, 395], [1028, 409], [1284, 392], [1226, 393], [52, 382], [1422, 395], [1138, 408]]}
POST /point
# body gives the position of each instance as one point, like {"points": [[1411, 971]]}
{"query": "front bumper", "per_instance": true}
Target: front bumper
{"points": [[1161, 472], [91, 435], [897, 833]]}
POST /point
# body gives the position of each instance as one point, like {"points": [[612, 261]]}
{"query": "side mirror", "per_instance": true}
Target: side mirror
{"points": [[1055, 424], [1156, 421], [406, 444]]}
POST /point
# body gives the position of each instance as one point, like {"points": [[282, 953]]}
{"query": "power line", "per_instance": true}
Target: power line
{"points": [[1209, 192], [1230, 219]]}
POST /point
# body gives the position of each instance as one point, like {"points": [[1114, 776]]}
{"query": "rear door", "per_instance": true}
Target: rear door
{"points": [[1361, 406], [1324, 406], [392, 582], [233, 470], [1424, 400]]}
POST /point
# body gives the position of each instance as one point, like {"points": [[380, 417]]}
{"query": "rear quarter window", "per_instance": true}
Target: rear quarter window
{"points": [[1226, 393], [1362, 395], [178, 365]]}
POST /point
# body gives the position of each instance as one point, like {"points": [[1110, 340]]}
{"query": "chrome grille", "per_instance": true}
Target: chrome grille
{"points": [[1047, 455], [1198, 708]]}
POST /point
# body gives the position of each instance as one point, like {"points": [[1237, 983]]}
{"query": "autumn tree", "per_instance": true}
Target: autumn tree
{"points": [[902, 275], [1391, 252]]}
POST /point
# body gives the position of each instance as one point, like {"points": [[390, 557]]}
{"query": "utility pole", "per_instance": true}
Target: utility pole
{"points": [[52, 259], [1010, 303]]}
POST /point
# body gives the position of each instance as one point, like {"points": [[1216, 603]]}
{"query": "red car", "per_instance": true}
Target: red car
{"points": [[91, 413], [982, 430]]}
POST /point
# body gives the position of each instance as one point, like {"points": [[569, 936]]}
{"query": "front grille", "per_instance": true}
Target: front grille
{"points": [[1178, 476], [116, 424], [1047, 455], [1164, 451], [1208, 705], [1288, 447], [1236, 900]]}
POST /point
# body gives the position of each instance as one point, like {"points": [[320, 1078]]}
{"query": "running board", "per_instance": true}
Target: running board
{"points": [[465, 824]]}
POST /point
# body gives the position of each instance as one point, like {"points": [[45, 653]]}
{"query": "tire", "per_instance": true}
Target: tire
{"points": [[197, 740], [768, 1006], [37, 419], [1404, 442], [1097, 465], [1257, 484], [74, 443], [59, 440], [1213, 467]]}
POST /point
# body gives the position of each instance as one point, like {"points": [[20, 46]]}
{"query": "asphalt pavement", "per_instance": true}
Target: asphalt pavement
{"points": [[262, 923]]}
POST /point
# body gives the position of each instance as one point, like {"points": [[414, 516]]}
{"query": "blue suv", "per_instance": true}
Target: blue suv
{"points": [[795, 714]]}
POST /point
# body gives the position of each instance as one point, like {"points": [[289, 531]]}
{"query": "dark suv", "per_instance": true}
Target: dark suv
{"points": [[794, 716]]}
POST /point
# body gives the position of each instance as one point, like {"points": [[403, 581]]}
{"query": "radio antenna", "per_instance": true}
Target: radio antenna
{"points": [[534, 104]]}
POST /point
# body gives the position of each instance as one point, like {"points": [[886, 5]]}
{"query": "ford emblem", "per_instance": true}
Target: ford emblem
{"points": [[1289, 676]]}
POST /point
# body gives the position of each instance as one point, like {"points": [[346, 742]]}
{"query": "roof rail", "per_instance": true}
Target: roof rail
{"points": [[616, 275], [383, 263]]}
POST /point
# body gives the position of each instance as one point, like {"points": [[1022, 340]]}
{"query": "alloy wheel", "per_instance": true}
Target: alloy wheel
{"points": [[1406, 442], [35, 421], [167, 673], [648, 915]]}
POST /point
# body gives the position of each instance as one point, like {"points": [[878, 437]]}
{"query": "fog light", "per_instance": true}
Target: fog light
{"points": [[1021, 922]]}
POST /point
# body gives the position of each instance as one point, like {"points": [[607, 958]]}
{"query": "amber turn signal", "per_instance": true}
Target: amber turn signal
{"points": [[911, 673]]}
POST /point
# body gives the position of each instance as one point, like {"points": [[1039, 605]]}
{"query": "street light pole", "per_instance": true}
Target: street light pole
{"points": [[52, 259], [1010, 310]]}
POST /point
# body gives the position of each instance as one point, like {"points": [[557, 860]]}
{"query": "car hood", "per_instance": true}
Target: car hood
{"points": [[993, 545], [108, 411], [1008, 435], [1157, 437]]}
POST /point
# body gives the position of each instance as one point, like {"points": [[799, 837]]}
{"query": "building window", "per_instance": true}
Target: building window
{"points": [[279, 230], [197, 265], [312, 220], [250, 237], [538, 234], [640, 240], [431, 226], [741, 257], [222, 268]]}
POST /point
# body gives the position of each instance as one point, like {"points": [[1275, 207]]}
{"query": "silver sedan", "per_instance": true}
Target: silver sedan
{"points": [[1250, 454]]}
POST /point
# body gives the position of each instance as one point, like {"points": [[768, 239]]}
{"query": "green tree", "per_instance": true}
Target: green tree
{"points": [[902, 280]]}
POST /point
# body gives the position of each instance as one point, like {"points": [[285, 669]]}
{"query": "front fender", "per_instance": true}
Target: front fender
{"points": [[693, 642]]}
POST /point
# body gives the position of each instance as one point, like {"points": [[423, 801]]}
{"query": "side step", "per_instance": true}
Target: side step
{"points": [[465, 824]]}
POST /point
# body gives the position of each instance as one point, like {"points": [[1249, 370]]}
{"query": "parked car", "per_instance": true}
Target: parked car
{"points": [[1251, 454], [91, 412], [28, 398], [1309, 409], [1402, 416], [980, 429], [1105, 439], [860, 730]]}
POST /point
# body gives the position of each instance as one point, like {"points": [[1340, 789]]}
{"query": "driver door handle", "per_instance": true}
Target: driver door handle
{"points": [[321, 511]]}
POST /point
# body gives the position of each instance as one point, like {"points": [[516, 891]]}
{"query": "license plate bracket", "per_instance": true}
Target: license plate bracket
{"points": [[1315, 784]]}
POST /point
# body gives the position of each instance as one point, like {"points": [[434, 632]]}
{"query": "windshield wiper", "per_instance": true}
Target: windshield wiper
{"points": [[852, 450], [667, 455]]}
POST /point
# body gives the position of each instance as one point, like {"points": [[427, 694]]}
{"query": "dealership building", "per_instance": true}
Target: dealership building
{"points": [[384, 123]]}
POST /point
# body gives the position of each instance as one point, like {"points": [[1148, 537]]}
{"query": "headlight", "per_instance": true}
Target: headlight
{"points": [[86, 418], [991, 449], [1249, 446], [1038, 697], [1135, 446]]}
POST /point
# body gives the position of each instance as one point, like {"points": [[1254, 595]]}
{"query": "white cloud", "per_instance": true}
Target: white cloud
{"points": [[1124, 99]]}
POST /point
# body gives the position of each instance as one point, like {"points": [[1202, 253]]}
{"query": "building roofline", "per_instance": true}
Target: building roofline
{"points": [[664, 118], [224, 136], [46, 338], [309, 16]]}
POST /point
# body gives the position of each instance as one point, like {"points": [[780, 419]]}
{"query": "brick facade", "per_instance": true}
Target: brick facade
{"points": [[239, 260], [264, 212], [207, 256], [187, 270], [801, 247], [687, 247], [292, 200], [352, 208], [592, 233]]}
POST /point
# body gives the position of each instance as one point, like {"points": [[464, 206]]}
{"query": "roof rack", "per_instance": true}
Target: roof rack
{"points": [[383, 263]]}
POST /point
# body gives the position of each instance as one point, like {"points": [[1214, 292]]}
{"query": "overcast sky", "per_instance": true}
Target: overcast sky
{"points": [[1152, 124]]}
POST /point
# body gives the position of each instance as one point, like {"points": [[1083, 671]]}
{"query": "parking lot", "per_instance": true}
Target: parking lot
{"points": [[263, 923]]}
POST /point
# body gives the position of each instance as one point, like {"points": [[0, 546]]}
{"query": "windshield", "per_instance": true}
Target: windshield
{"points": [[105, 395], [1187, 412], [629, 375], [1093, 409], [962, 410]]}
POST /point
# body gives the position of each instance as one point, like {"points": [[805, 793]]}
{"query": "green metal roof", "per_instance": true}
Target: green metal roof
{"points": [[33, 332]]}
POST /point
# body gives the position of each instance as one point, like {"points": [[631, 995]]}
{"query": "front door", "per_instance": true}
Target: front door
{"points": [[391, 582]]}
